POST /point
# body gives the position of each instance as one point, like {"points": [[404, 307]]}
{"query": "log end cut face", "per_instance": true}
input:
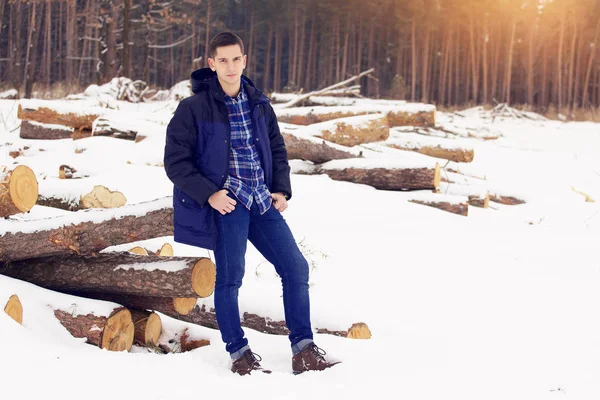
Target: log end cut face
{"points": [[204, 276], [166, 250], [360, 330], [153, 329], [184, 305], [118, 334], [23, 188], [102, 197], [14, 309]]}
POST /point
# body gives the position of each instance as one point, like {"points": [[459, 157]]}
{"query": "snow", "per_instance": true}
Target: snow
{"points": [[167, 266], [501, 304]]}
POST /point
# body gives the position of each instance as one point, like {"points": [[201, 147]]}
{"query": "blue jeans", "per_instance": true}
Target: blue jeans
{"points": [[270, 234]]}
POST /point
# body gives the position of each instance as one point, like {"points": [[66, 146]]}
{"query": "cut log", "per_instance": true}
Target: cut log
{"points": [[117, 129], [477, 196], [397, 113], [10, 94], [68, 172], [350, 131], [118, 273], [448, 149], [166, 305], [505, 199], [139, 251], [18, 190], [360, 330], [114, 332], [73, 114], [148, 327], [450, 203], [315, 150], [86, 231], [36, 130], [99, 197], [14, 309], [102, 197], [382, 173], [166, 250]]}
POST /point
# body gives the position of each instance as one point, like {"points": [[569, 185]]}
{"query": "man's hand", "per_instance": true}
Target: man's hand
{"points": [[279, 201], [221, 202]]}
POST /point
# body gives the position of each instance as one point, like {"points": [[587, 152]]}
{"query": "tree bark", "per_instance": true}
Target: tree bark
{"points": [[315, 150], [383, 178], [89, 232], [33, 130], [125, 39], [114, 331], [122, 272], [586, 83]]}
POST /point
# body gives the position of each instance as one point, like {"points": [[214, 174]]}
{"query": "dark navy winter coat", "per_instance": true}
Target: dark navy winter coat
{"points": [[197, 154]]}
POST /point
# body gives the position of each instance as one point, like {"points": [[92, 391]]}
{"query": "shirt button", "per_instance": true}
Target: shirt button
{"points": [[257, 139], [225, 140]]}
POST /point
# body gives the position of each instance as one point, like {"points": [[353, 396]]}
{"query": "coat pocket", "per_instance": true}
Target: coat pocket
{"points": [[189, 214]]}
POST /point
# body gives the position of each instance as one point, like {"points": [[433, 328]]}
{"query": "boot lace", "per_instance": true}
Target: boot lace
{"points": [[318, 352], [253, 359]]}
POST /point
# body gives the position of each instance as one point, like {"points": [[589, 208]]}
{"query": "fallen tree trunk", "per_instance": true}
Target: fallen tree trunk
{"points": [[477, 196], [321, 91], [351, 131], [450, 203], [121, 272], [99, 197], [75, 115], [107, 127], [14, 308], [37, 130], [453, 150], [382, 173], [397, 114], [167, 305], [18, 190], [86, 232], [114, 332], [316, 150]]}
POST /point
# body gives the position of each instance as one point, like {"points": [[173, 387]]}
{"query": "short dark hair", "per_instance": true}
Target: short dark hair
{"points": [[224, 39]]}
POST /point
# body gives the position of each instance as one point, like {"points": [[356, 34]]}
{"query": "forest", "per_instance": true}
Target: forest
{"points": [[540, 54]]}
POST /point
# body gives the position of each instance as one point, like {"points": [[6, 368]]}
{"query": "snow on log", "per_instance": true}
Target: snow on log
{"points": [[397, 113], [18, 190], [10, 94], [382, 172], [14, 309], [114, 332], [448, 149], [147, 327], [37, 130], [450, 203], [120, 272], [307, 147], [86, 231], [73, 114], [99, 197], [117, 128], [350, 131], [477, 196]]}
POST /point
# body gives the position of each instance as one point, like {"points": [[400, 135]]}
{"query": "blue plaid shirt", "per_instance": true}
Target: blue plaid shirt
{"points": [[246, 177]]}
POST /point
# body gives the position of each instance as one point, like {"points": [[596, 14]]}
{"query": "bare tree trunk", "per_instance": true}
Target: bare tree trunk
{"points": [[578, 72], [370, 56], [268, 59], [48, 42], [570, 83], [85, 44], [486, 39], [346, 44], [413, 91], [277, 67], [207, 37], [126, 62], [311, 51], [586, 83], [474, 59], [530, 74], [510, 60], [559, 60], [17, 67], [31, 31], [544, 95], [111, 42], [300, 56]]}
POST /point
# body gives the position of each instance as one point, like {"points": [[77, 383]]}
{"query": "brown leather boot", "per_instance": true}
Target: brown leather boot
{"points": [[247, 363], [311, 358]]}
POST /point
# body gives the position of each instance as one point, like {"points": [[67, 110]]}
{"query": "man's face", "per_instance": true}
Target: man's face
{"points": [[228, 63]]}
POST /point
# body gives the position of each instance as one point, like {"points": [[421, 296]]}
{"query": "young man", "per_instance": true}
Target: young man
{"points": [[228, 163]]}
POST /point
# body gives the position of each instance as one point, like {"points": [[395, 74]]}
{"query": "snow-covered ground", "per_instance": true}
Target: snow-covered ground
{"points": [[502, 304]]}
